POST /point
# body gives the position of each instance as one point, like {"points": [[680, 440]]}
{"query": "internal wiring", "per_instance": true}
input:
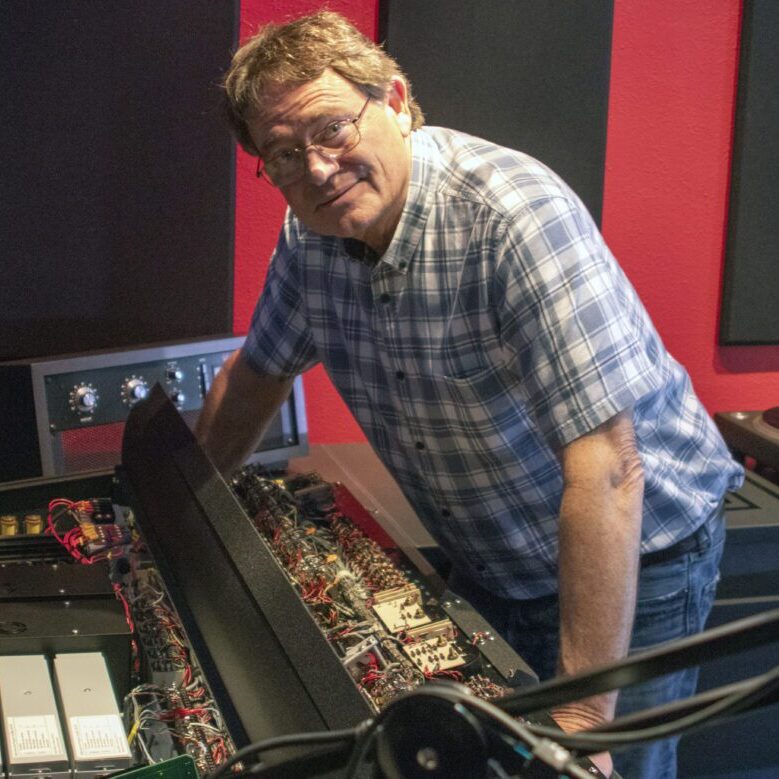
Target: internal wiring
{"points": [[89, 538]]}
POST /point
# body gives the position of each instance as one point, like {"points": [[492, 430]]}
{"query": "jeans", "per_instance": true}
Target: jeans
{"points": [[674, 600]]}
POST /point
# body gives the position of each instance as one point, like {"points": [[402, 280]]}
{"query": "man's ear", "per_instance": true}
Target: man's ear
{"points": [[397, 100]]}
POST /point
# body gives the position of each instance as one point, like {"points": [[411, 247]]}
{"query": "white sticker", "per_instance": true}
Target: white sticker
{"points": [[34, 737], [98, 736]]}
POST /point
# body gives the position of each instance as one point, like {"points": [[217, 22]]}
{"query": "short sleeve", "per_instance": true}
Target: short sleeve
{"points": [[279, 341], [571, 324]]}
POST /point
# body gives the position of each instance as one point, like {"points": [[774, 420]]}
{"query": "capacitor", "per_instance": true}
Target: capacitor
{"points": [[8, 525], [33, 524]]}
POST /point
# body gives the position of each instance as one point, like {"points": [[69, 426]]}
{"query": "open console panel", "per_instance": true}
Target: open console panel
{"points": [[222, 614], [300, 619]]}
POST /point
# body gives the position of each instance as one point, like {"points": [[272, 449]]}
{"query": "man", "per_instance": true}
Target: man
{"points": [[469, 313]]}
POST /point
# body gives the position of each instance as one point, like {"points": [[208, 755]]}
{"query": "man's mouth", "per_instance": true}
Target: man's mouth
{"points": [[330, 200]]}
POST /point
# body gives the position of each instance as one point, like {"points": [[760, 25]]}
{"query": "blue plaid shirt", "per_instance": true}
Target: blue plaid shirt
{"points": [[495, 329]]}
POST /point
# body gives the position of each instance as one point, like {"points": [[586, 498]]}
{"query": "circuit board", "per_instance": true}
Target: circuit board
{"points": [[388, 630]]}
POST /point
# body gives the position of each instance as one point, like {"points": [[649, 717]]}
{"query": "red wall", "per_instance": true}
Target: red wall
{"points": [[673, 82]]}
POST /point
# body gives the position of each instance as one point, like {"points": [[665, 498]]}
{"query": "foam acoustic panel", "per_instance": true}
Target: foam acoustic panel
{"points": [[528, 75], [117, 193], [750, 314]]}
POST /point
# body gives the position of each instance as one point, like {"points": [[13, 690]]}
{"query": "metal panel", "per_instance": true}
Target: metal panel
{"points": [[66, 415], [31, 724]]}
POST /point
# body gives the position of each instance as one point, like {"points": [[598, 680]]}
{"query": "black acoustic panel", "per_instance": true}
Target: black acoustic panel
{"points": [[750, 314], [529, 75], [116, 197]]}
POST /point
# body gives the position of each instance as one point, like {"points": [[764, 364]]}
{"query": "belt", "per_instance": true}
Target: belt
{"points": [[690, 544]]}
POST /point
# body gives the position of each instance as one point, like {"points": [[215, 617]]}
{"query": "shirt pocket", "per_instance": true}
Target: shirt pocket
{"points": [[488, 402]]}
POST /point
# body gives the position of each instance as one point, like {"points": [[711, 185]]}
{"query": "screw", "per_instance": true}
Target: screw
{"points": [[427, 758]]}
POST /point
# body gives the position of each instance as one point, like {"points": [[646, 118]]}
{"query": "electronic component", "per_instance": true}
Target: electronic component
{"points": [[33, 524], [33, 736], [97, 739], [65, 415], [400, 608], [173, 711], [78, 625], [432, 648], [88, 529], [301, 646], [9, 525], [389, 638]]}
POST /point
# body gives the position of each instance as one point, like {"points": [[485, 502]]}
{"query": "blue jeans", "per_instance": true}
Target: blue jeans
{"points": [[674, 600]]}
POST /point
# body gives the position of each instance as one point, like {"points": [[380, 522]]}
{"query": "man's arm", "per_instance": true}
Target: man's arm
{"points": [[236, 411], [600, 534]]}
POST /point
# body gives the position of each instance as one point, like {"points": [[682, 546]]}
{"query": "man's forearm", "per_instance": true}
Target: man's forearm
{"points": [[236, 412], [600, 532]]}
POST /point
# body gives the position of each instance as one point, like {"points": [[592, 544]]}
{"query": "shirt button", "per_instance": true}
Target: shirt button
{"points": [[419, 445], [446, 513], [402, 264], [385, 297], [400, 375]]}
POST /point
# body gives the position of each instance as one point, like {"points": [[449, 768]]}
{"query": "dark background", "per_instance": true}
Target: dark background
{"points": [[529, 75], [750, 304], [117, 189]]}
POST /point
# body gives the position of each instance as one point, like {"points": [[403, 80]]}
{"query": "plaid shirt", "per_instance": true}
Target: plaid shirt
{"points": [[495, 329]]}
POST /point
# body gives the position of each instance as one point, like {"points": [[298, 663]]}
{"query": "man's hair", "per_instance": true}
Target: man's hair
{"points": [[287, 55]]}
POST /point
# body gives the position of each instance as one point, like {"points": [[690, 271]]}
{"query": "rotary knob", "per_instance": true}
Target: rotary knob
{"points": [[134, 390], [174, 374], [83, 399], [178, 397]]}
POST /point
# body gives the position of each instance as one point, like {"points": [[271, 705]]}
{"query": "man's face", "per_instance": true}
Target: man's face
{"points": [[361, 194]]}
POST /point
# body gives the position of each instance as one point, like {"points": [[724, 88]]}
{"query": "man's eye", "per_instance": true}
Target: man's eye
{"points": [[283, 156], [333, 130]]}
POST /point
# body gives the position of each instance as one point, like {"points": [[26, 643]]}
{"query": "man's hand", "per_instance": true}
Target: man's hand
{"points": [[581, 716]]}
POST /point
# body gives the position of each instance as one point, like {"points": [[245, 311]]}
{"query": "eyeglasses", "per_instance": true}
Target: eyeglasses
{"points": [[287, 165]]}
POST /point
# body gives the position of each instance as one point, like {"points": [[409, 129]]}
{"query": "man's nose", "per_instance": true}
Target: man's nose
{"points": [[319, 165]]}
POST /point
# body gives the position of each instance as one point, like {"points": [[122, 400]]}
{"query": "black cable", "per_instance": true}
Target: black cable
{"points": [[589, 742], [293, 739], [518, 730], [362, 746], [315, 763]]}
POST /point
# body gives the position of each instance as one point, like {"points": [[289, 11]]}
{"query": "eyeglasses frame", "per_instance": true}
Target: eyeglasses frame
{"points": [[327, 154]]}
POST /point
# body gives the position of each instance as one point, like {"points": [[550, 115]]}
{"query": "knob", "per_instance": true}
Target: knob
{"points": [[174, 374], [84, 398], [178, 397], [135, 389]]}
